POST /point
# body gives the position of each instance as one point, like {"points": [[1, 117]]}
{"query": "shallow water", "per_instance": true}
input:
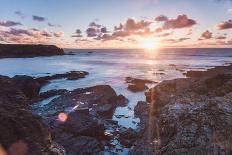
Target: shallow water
{"points": [[112, 66]]}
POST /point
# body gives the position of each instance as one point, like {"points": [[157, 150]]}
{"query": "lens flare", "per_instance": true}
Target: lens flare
{"points": [[62, 117]]}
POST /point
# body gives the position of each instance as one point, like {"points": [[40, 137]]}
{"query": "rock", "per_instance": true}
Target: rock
{"points": [[21, 131], [48, 94], [29, 86], [188, 116], [210, 72], [72, 75], [136, 85], [142, 108], [127, 136], [78, 123], [25, 51], [100, 98], [121, 100], [83, 145], [135, 80]]}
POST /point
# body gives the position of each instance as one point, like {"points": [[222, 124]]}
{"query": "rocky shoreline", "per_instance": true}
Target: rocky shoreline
{"points": [[181, 116], [188, 116], [28, 51]]}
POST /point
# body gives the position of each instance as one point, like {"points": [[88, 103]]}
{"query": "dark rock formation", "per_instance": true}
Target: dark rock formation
{"points": [[72, 75], [29, 86], [48, 94], [21, 131], [188, 116], [210, 72], [25, 51], [136, 85], [78, 119]]}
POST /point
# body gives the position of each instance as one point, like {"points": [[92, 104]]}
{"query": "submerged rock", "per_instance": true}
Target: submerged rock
{"points": [[136, 85], [72, 75], [188, 116]]}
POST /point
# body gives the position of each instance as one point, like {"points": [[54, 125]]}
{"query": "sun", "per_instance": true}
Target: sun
{"points": [[149, 44]]}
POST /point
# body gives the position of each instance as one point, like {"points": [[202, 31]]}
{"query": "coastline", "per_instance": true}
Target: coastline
{"points": [[173, 98]]}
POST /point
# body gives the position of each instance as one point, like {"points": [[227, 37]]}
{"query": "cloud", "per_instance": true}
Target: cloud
{"points": [[164, 35], [161, 18], [229, 10], [225, 25], [221, 37], [38, 18], [182, 21], [130, 27], [20, 14], [173, 41], [77, 33], [93, 24], [133, 25], [92, 32], [32, 35], [158, 30], [96, 30], [9, 23], [58, 34], [103, 30], [206, 35], [53, 25], [120, 27]]}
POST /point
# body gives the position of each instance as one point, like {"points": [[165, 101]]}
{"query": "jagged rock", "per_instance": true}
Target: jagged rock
{"points": [[29, 86], [47, 94], [82, 145], [189, 116], [21, 131], [101, 98]]}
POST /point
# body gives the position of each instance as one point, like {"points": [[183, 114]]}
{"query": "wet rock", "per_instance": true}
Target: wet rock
{"points": [[135, 80], [189, 116], [210, 72], [21, 131], [48, 94], [142, 108], [29, 86], [78, 123], [127, 136], [136, 85], [121, 100], [102, 99], [83, 145], [72, 75], [84, 112]]}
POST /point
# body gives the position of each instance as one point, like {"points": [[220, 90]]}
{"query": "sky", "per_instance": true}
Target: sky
{"points": [[117, 23]]}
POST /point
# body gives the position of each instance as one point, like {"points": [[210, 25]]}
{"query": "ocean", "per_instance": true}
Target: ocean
{"points": [[112, 66]]}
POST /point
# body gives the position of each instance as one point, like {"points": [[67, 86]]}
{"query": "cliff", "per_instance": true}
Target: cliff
{"points": [[27, 51]]}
